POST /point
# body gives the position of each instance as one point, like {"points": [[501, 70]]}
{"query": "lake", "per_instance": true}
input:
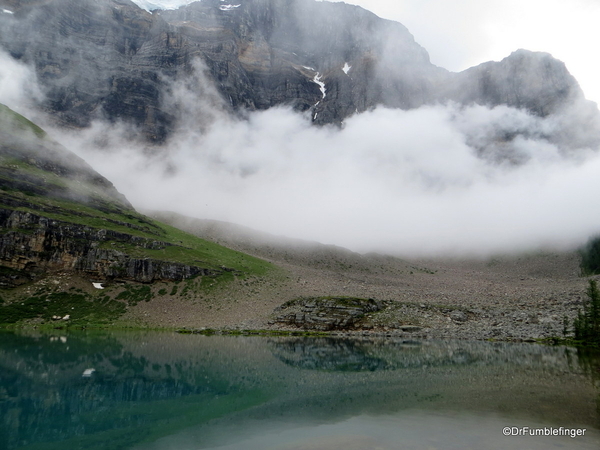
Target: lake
{"points": [[168, 391]]}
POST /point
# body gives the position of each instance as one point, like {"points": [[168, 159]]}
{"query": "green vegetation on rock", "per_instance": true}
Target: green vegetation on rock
{"points": [[8, 117]]}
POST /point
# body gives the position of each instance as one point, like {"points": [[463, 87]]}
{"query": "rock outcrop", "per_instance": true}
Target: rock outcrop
{"points": [[31, 244], [325, 314], [533, 81], [111, 59]]}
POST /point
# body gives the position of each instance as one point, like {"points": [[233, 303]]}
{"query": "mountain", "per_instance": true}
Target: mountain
{"points": [[60, 218], [113, 60]]}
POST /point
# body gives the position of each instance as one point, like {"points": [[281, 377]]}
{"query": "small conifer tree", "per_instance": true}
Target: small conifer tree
{"points": [[590, 257], [587, 323]]}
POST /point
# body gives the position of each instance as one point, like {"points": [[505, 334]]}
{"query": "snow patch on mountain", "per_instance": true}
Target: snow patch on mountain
{"points": [[317, 79], [228, 7], [162, 4]]}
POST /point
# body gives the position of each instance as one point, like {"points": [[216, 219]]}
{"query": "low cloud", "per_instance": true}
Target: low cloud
{"points": [[438, 180], [405, 182], [19, 88]]}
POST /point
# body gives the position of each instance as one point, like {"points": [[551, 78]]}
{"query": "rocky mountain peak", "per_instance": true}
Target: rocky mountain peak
{"points": [[111, 59], [530, 80]]}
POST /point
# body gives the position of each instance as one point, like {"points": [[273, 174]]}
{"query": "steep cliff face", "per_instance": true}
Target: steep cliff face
{"points": [[331, 58], [34, 244], [88, 56], [111, 59]]}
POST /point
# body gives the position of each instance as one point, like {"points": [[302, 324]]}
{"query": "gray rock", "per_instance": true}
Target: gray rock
{"points": [[410, 328], [325, 314], [55, 245], [458, 316]]}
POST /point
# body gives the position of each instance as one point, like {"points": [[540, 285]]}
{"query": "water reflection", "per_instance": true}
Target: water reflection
{"points": [[163, 390], [339, 354], [589, 360]]}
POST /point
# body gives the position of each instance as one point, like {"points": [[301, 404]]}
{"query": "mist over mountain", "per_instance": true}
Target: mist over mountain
{"points": [[313, 119]]}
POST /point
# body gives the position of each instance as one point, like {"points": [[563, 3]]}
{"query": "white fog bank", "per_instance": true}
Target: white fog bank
{"points": [[390, 181]]}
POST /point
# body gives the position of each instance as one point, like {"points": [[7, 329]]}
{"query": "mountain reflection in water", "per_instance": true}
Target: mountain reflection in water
{"points": [[151, 390], [370, 355]]}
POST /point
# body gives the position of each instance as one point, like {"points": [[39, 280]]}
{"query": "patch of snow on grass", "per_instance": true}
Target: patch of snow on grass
{"points": [[98, 285], [346, 68]]}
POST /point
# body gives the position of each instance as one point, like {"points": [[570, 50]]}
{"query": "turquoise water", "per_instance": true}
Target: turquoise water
{"points": [[159, 391]]}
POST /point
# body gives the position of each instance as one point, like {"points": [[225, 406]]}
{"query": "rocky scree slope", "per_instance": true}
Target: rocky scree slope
{"points": [[110, 59]]}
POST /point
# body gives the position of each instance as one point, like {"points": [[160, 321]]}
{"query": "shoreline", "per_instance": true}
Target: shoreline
{"points": [[272, 332]]}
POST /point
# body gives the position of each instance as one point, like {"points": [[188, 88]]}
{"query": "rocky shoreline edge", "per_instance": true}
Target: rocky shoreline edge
{"points": [[354, 317]]}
